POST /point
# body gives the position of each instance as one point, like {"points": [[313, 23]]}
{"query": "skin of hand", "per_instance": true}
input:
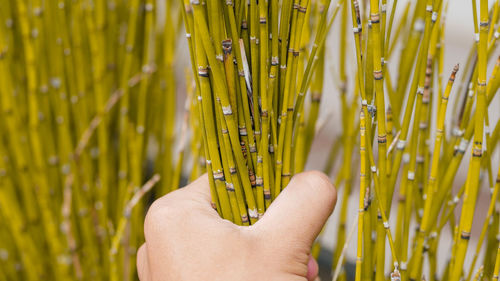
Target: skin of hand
{"points": [[187, 240]]}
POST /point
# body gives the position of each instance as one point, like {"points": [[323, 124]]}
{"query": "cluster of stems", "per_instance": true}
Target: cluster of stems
{"points": [[255, 62], [403, 112]]}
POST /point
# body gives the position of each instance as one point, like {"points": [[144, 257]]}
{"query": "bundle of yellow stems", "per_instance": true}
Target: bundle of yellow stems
{"points": [[87, 90], [254, 63]]}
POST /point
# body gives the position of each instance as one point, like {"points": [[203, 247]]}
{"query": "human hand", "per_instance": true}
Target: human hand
{"points": [[187, 240]]}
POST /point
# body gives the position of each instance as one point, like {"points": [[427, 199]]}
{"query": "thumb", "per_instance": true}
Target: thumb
{"points": [[302, 208]]}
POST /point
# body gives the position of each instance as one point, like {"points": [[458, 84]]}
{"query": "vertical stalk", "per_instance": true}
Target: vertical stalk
{"points": [[472, 185]]}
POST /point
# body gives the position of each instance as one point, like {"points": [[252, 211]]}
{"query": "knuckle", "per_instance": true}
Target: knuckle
{"points": [[160, 214], [141, 254]]}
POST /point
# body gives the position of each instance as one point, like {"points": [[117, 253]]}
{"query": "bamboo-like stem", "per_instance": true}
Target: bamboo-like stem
{"points": [[414, 37], [140, 125], [363, 200], [418, 81], [496, 270], [347, 143], [15, 223], [209, 122], [39, 167], [491, 208], [344, 250], [472, 185], [286, 129], [381, 129], [432, 182], [12, 122], [489, 257], [123, 121], [127, 213], [230, 174], [221, 88], [98, 62], [263, 184], [399, 29]]}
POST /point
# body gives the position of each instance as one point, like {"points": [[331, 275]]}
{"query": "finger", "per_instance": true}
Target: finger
{"points": [[142, 264], [302, 208], [312, 269]]}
